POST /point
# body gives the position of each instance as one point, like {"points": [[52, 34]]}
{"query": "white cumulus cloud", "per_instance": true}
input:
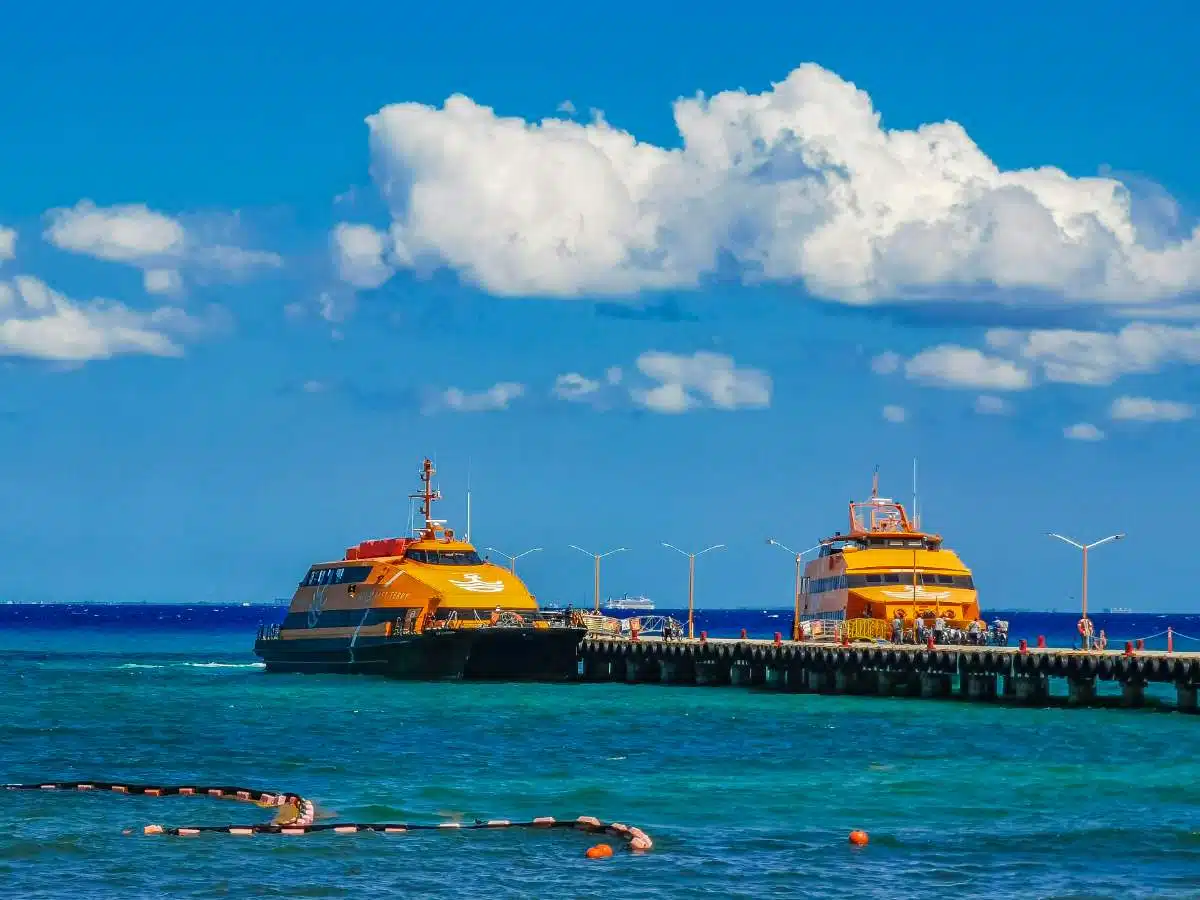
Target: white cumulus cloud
{"points": [[128, 233], [498, 396], [801, 182], [1144, 409], [948, 365], [8, 244], [895, 414], [40, 323], [359, 254], [1083, 431], [701, 379]]}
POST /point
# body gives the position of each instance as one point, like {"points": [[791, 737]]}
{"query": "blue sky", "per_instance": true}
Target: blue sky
{"points": [[254, 265]]}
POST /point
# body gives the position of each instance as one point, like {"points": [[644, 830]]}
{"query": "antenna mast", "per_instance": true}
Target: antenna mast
{"points": [[916, 513], [468, 500], [427, 495]]}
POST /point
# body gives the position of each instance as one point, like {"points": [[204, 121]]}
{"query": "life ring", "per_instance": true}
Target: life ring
{"points": [[1085, 627]]}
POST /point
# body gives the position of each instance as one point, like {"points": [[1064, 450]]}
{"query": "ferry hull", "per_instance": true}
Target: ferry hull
{"points": [[478, 654]]}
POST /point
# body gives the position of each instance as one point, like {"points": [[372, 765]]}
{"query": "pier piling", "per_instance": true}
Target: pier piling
{"points": [[1017, 675]]}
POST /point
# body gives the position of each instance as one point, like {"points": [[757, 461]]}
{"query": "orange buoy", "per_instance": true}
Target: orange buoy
{"points": [[600, 851], [858, 838]]}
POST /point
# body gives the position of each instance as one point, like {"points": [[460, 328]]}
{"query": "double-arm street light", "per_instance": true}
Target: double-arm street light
{"points": [[691, 580], [799, 557], [597, 557], [512, 560], [1084, 623]]}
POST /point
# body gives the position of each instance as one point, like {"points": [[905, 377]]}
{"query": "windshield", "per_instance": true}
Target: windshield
{"points": [[445, 557]]}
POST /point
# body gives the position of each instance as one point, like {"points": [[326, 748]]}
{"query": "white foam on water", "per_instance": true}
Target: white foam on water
{"points": [[219, 665]]}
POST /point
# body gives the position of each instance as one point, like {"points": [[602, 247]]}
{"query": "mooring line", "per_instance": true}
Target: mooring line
{"points": [[297, 814]]}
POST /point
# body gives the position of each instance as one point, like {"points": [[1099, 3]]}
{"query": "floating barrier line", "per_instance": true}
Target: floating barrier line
{"points": [[296, 814]]}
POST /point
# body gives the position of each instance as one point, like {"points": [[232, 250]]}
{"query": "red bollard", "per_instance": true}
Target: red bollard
{"points": [[929, 642], [1023, 647], [1141, 644], [1041, 642], [1129, 648], [743, 634], [778, 639], [703, 637]]}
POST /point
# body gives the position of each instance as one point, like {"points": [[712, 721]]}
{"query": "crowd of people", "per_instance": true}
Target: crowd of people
{"points": [[977, 633]]}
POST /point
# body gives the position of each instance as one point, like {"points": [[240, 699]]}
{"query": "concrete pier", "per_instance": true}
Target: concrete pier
{"points": [[981, 674]]}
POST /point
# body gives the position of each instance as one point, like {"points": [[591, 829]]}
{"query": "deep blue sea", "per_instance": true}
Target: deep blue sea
{"points": [[746, 793]]}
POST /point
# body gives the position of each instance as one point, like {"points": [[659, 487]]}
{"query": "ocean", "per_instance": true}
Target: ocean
{"points": [[745, 793]]}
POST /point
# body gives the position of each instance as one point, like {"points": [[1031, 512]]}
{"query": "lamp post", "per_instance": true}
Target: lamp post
{"points": [[513, 559], [692, 581], [1087, 638], [597, 557], [799, 556]]}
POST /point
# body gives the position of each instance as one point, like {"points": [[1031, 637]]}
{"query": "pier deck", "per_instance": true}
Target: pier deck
{"points": [[1012, 674]]}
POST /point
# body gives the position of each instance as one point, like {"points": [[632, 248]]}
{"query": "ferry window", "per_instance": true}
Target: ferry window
{"points": [[445, 557], [891, 578], [339, 575], [874, 579]]}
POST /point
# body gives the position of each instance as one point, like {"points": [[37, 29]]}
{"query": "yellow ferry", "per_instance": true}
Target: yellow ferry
{"points": [[885, 568], [421, 606]]}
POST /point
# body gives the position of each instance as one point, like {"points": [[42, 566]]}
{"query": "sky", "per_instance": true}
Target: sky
{"points": [[637, 276]]}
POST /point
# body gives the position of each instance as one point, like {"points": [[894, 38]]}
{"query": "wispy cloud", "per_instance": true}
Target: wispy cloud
{"points": [[498, 397], [987, 405], [1083, 431], [159, 244], [1144, 409]]}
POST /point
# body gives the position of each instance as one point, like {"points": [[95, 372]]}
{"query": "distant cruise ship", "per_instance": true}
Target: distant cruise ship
{"points": [[1117, 609], [627, 602]]}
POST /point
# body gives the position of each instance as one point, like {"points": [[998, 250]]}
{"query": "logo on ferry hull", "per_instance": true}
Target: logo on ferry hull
{"points": [[316, 607], [476, 584]]}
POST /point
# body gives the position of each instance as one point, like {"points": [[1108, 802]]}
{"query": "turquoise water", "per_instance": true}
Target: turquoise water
{"points": [[746, 794]]}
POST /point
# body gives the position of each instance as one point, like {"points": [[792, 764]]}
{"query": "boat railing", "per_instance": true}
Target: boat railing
{"points": [[509, 618], [649, 626], [599, 624], [268, 632]]}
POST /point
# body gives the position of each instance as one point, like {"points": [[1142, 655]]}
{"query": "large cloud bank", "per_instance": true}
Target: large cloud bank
{"points": [[801, 183]]}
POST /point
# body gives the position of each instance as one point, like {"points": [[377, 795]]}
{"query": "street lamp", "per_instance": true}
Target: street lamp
{"points": [[513, 559], [597, 557], [691, 579], [1087, 640], [799, 556]]}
